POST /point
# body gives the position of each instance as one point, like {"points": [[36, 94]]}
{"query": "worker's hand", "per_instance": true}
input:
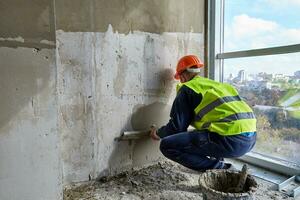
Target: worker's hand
{"points": [[153, 133]]}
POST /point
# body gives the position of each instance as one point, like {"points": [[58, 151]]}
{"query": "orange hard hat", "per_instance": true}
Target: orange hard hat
{"points": [[186, 62]]}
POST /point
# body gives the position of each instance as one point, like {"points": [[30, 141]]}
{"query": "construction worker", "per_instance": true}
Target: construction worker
{"points": [[225, 126]]}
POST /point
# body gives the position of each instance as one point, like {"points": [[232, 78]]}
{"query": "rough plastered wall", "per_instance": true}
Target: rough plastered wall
{"points": [[115, 62], [29, 154]]}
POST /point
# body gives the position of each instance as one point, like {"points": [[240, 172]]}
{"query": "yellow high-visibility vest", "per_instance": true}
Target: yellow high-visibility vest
{"points": [[221, 110]]}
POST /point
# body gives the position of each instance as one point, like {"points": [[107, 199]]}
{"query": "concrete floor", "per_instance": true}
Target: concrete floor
{"points": [[165, 180]]}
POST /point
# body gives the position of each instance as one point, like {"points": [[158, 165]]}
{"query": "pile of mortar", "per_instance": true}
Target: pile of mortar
{"points": [[161, 181]]}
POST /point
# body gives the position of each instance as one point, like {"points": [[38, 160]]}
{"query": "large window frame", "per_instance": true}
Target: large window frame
{"points": [[215, 57]]}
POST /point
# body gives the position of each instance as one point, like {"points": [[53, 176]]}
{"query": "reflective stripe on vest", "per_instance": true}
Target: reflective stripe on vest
{"points": [[230, 118], [215, 104]]}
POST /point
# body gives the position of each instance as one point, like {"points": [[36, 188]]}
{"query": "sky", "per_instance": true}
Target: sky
{"points": [[252, 24]]}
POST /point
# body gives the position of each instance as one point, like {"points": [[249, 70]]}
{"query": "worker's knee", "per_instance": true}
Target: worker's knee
{"points": [[163, 146], [167, 150]]}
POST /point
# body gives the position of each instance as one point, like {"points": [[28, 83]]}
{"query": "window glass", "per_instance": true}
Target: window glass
{"points": [[252, 24], [271, 85]]}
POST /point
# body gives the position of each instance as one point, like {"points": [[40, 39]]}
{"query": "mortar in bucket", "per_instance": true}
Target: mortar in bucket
{"points": [[221, 184]]}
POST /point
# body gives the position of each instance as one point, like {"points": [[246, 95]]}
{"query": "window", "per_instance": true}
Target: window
{"points": [[256, 47], [260, 24], [275, 98]]}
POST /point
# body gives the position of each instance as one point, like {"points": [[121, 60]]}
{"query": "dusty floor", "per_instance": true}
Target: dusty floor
{"points": [[165, 181]]}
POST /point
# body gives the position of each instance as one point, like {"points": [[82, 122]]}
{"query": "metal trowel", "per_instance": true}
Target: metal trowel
{"points": [[134, 135]]}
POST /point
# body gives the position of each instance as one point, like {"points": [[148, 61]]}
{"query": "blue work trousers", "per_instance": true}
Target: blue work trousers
{"points": [[202, 150]]}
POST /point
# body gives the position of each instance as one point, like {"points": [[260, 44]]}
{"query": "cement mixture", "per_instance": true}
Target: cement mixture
{"points": [[164, 181]]}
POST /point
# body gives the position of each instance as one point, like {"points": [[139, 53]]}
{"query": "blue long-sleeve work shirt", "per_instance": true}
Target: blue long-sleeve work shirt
{"points": [[182, 112]]}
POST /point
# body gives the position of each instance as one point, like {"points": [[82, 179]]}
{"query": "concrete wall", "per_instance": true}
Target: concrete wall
{"points": [[29, 152], [153, 16], [74, 74], [115, 64]]}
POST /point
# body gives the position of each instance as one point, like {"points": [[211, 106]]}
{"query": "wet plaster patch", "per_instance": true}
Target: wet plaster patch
{"points": [[144, 115]]}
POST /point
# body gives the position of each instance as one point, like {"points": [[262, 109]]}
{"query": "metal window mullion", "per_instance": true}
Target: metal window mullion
{"points": [[211, 6], [221, 47], [260, 52], [215, 38]]}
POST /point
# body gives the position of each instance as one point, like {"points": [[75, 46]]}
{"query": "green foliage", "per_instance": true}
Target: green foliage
{"points": [[265, 130], [278, 128], [276, 142], [288, 94], [263, 97]]}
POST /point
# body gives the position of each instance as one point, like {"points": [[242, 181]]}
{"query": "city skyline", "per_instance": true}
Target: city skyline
{"points": [[278, 64], [236, 73]]}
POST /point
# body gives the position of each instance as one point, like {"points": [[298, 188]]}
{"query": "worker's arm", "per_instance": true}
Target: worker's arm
{"points": [[182, 112]]}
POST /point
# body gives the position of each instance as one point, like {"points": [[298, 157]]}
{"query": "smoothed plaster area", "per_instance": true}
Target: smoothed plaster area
{"points": [[108, 83], [154, 16], [29, 152]]}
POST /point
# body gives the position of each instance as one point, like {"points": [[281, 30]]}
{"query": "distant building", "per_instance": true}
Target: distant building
{"points": [[261, 85], [257, 77], [297, 74], [258, 85], [274, 86], [281, 77], [241, 77], [264, 76]]}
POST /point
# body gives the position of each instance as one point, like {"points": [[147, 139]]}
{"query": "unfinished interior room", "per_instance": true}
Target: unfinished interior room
{"points": [[149, 99]]}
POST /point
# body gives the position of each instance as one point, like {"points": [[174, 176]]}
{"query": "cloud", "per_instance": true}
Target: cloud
{"points": [[245, 26], [247, 32], [291, 35]]}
